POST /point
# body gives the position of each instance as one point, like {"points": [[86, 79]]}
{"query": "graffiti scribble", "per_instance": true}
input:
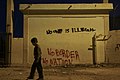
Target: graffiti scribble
{"points": [[59, 31], [117, 47]]}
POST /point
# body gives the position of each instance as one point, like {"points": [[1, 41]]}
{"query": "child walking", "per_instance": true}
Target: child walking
{"points": [[37, 61]]}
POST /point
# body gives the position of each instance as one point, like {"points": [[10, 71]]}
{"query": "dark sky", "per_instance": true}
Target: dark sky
{"points": [[3, 15]]}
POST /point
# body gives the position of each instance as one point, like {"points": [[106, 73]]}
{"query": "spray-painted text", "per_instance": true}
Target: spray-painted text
{"points": [[60, 57]]}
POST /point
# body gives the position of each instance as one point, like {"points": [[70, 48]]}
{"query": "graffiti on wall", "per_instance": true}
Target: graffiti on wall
{"points": [[59, 31], [117, 47], [73, 30], [58, 57]]}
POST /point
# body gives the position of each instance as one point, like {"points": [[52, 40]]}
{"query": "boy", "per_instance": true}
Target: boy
{"points": [[37, 61]]}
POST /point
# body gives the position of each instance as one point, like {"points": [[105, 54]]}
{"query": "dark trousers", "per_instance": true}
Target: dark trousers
{"points": [[37, 65]]}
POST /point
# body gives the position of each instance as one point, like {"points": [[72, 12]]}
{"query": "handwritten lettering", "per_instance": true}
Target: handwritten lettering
{"points": [[54, 31], [63, 53], [117, 47], [83, 30], [60, 57], [73, 30], [57, 61]]}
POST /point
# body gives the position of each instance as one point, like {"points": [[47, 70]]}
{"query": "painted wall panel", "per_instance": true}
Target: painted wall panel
{"points": [[113, 47], [17, 51], [65, 40]]}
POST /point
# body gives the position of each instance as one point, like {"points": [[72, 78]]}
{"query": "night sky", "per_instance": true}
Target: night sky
{"points": [[18, 16]]}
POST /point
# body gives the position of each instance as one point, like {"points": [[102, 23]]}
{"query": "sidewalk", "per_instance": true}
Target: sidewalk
{"points": [[60, 73]]}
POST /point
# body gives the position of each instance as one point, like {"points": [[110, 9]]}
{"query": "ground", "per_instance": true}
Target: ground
{"points": [[64, 73]]}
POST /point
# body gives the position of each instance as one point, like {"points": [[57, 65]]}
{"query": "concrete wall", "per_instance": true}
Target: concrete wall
{"points": [[76, 42], [70, 41], [17, 51], [113, 47], [64, 32]]}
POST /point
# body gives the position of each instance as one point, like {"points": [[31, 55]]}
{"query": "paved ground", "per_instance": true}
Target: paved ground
{"points": [[61, 73]]}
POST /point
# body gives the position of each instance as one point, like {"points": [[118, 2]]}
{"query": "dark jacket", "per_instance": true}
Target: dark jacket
{"points": [[37, 52]]}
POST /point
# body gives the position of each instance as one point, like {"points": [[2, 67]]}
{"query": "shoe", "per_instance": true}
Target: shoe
{"points": [[40, 79], [29, 78]]}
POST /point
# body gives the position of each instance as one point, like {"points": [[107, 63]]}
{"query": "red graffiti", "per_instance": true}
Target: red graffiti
{"points": [[57, 61], [63, 53], [45, 60], [60, 57]]}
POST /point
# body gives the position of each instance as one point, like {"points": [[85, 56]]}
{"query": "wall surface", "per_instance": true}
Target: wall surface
{"points": [[17, 51], [113, 47], [65, 35], [66, 40]]}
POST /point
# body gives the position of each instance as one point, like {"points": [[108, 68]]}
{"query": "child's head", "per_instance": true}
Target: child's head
{"points": [[34, 41]]}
